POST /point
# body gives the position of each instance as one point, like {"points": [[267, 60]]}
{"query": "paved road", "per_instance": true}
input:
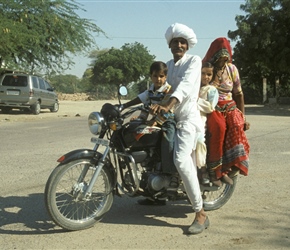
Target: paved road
{"points": [[257, 216]]}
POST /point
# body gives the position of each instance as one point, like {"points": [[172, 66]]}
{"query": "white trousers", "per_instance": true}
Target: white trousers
{"points": [[185, 162]]}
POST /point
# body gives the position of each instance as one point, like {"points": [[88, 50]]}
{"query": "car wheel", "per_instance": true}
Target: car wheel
{"points": [[6, 110], [55, 107], [35, 108]]}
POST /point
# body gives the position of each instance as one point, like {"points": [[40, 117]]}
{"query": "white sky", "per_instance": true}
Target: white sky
{"points": [[146, 22]]}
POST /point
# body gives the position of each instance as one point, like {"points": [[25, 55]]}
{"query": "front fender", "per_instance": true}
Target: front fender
{"points": [[88, 154], [77, 154]]}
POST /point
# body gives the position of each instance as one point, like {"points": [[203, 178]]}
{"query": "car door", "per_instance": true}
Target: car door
{"points": [[43, 92], [51, 96]]}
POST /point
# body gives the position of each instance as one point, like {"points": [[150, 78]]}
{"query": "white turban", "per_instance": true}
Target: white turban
{"points": [[181, 30]]}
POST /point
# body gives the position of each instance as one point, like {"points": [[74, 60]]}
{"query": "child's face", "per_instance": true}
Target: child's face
{"points": [[158, 78], [206, 75]]}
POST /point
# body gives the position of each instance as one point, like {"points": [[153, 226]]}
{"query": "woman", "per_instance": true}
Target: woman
{"points": [[228, 147]]}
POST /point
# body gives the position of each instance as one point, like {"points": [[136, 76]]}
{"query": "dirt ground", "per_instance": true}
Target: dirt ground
{"points": [[67, 108], [80, 107], [256, 217]]}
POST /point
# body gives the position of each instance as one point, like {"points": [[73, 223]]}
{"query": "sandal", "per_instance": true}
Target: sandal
{"points": [[174, 183], [204, 176]]}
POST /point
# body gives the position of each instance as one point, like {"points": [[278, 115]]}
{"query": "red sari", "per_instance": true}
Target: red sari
{"points": [[227, 145], [226, 140]]}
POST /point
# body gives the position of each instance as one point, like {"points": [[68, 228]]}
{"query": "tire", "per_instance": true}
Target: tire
{"points": [[35, 108], [215, 198], [63, 195], [55, 107], [5, 110]]}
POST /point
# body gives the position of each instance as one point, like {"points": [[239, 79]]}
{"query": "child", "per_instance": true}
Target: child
{"points": [[208, 98], [158, 93]]}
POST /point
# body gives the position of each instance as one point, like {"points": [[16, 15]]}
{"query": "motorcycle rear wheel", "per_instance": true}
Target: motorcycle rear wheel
{"points": [[63, 195], [215, 199]]}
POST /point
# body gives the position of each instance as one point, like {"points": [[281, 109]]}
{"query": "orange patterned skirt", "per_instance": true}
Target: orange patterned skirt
{"points": [[227, 144]]}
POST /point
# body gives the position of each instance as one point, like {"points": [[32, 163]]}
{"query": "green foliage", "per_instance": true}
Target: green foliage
{"points": [[66, 83], [43, 34], [121, 66], [263, 43], [110, 68]]}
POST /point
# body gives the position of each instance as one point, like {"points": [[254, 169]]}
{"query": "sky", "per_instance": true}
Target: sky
{"points": [[146, 22]]}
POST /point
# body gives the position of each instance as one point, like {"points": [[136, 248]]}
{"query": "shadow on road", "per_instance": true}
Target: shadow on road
{"points": [[30, 213]]}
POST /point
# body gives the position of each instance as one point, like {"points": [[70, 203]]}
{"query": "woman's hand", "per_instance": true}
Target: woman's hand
{"points": [[246, 126]]}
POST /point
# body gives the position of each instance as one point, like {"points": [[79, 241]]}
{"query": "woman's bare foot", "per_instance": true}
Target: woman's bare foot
{"points": [[227, 179]]}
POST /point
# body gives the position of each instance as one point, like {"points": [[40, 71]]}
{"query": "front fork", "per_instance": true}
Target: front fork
{"points": [[99, 166]]}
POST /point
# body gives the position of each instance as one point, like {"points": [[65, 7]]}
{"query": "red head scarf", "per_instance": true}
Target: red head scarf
{"points": [[219, 47]]}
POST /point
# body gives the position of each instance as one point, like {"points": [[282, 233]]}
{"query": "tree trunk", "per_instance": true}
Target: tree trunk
{"points": [[277, 87], [264, 90]]}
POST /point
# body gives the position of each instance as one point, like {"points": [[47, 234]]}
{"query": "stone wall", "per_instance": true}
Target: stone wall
{"points": [[76, 97]]}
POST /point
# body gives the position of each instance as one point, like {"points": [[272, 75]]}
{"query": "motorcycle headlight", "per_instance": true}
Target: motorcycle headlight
{"points": [[96, 122]]}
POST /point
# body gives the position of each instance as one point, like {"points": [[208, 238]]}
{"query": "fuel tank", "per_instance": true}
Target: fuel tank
{"points": [[136, 134]]}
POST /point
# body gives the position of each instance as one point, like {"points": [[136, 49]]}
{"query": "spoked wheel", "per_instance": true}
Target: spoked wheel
{"points": [[216, 197], [64, 195]]}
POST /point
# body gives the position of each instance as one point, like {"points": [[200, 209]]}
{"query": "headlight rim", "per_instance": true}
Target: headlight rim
{"points": [[96, 122]]}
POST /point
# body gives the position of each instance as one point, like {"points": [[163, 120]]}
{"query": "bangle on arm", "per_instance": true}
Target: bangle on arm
{"points": [[239, 93]]}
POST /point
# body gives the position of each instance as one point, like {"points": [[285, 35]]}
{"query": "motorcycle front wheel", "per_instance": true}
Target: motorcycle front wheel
{"points": [[64, 195], [216, 197]]}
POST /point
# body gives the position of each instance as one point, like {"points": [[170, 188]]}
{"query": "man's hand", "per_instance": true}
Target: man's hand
{"points": [[157, 109]]}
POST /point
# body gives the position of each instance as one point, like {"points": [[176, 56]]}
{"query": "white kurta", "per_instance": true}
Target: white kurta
{"points": [[184, 77]]}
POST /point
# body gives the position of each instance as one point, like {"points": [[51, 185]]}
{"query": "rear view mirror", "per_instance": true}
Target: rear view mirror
{"points": [[123, 91]]}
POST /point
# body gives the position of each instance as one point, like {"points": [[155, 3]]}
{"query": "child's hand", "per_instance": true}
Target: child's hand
{"points": [[151, 123], [133, 118], [152, 109]]}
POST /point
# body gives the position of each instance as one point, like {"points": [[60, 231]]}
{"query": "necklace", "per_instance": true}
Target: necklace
{"points": [[222, 72]]}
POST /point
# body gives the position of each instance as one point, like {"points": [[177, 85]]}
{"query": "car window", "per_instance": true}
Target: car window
{"points": [[15, 81], [35, 82], [41, 83], [48, 87]]}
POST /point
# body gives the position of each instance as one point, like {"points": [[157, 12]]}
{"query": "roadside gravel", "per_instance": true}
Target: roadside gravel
{"points": [[70, 108], [66, 109]]}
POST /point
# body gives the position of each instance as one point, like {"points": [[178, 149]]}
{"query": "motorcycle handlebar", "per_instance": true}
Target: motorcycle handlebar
{"points": [[134, 109]]}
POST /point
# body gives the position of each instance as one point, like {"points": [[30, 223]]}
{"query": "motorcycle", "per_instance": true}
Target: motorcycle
{"points": [[124, 161]]}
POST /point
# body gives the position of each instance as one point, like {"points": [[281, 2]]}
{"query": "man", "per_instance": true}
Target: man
{"points": [[184, 73]]}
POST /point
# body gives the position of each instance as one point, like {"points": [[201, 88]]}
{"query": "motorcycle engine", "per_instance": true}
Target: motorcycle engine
{"points": [[157, 182]]}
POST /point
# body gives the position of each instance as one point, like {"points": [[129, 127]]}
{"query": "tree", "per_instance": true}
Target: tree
{"points": [[121, 66], [65, 83], [86, 84], [43, 35], [263, 42]]}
